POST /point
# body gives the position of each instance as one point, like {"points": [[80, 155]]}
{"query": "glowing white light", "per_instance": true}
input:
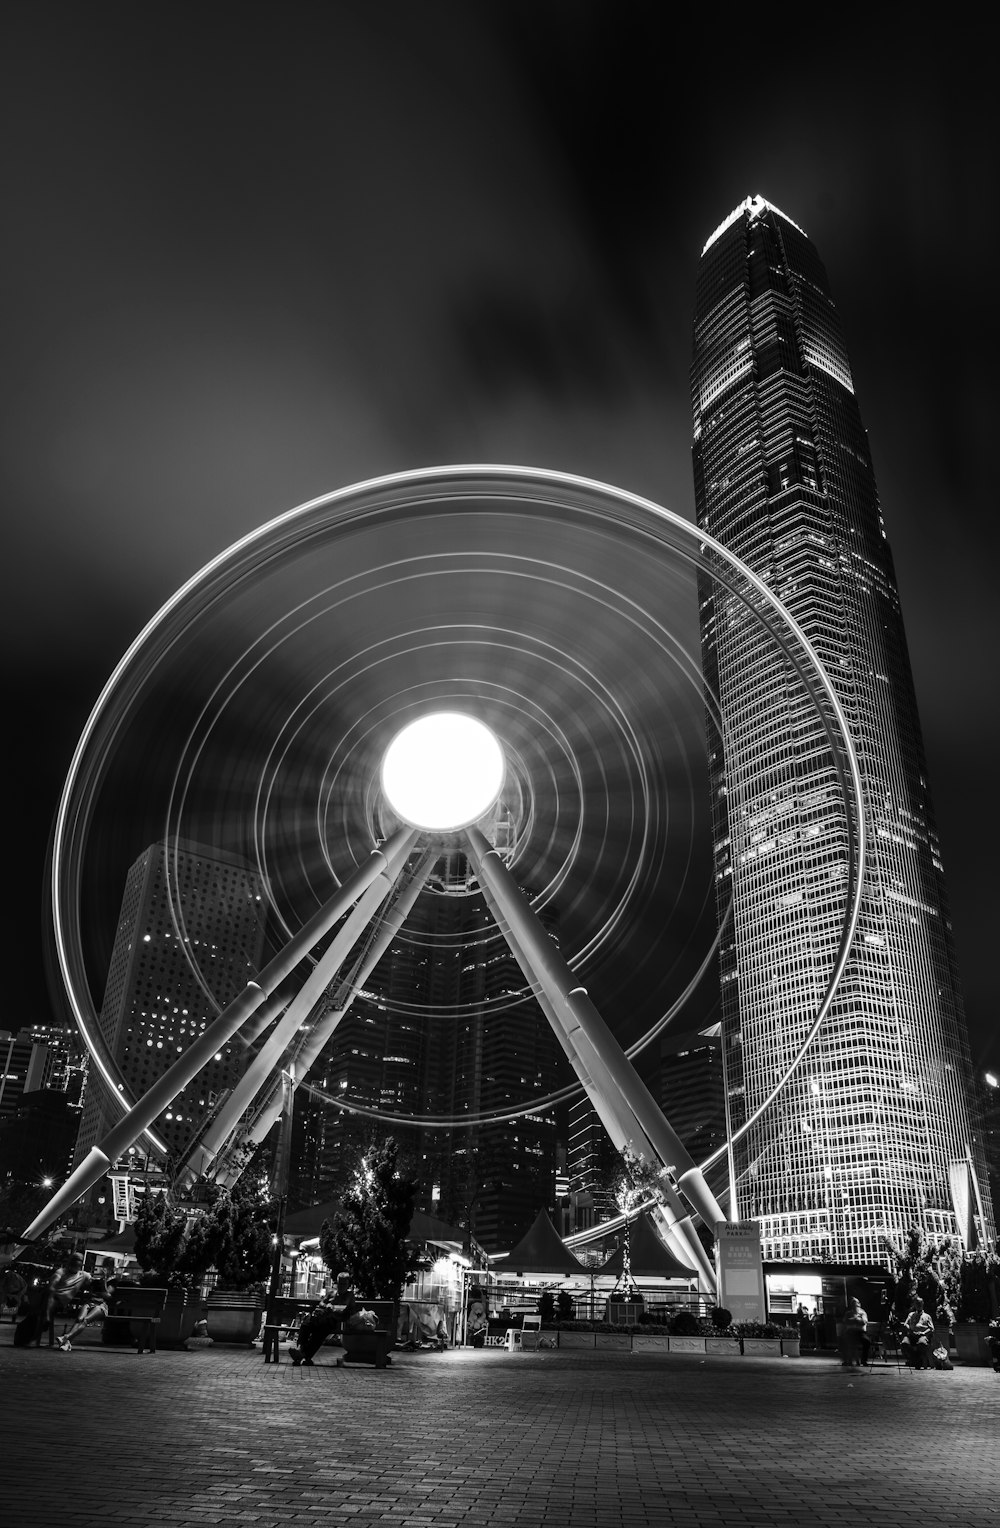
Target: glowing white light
{"points": [[443, 771]]}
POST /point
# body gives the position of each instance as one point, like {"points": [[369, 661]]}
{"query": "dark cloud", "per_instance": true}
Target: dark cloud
{"points": [[251, 255]]}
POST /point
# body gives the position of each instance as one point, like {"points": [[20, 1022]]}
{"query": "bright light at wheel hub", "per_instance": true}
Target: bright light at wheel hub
{"points": [[443, 772]]}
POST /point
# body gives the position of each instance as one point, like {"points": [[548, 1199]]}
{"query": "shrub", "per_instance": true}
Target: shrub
{"points": [[547, 1307], [685, 1324], [721, 1318], [756, 1329]]}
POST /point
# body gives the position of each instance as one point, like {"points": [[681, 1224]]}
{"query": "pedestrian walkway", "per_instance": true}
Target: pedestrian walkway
{"points": [[103, 1436]]}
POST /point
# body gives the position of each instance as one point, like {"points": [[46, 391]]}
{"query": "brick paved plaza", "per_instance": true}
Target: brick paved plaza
{"points": [[102, 1436]]}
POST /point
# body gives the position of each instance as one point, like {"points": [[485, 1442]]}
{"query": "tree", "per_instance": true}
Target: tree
{"points": [[228, 1232], [367, 1237], [243, 1216], [160, 1236], [916, 1272]]}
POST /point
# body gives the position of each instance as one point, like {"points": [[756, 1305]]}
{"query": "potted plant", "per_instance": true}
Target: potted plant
{"points": [[976, 1303], [920, 1268], [233, 1236], [791, 1344], [160, 1244], [224, 1231], [368, 1236]]}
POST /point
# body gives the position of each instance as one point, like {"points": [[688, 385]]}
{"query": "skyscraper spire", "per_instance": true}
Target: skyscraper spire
{"points": [[863, 1140]]}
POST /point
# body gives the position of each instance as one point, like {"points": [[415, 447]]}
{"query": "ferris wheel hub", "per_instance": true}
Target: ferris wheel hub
{"points": [[443, 771]]}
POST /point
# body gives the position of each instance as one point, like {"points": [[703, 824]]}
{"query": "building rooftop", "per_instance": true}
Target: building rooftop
{"points": [[754, 206]]}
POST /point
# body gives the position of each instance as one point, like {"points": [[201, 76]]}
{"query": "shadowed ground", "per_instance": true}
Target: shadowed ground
{"points": [[102, 1436]]}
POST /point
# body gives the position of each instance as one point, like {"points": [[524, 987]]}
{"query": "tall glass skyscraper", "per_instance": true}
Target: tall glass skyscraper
{"points": [[874, 1132]]}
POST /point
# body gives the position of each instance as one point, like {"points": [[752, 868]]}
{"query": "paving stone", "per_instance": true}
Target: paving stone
{"points": [[468, 1438]]}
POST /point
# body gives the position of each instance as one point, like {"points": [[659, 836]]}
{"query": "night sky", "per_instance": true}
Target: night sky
{"points": [[254, 254]]}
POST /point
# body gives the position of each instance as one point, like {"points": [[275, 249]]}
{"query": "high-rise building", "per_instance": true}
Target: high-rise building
{"points": [[691, 1090], [863, 1139], [25, 1067], [190, 935], [41, 1077], [595, 1168]]}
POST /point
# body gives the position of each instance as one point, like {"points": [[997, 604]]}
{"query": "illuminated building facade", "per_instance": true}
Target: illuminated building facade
{"points": [[862, 1140], [594, 1166], [191, 928], [26, 1065]]}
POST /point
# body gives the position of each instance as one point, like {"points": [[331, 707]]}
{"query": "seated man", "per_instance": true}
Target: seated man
{"points": [[95, 1303], [917, 1336], [328, 1317], [854, 1343], [68, 1286]]}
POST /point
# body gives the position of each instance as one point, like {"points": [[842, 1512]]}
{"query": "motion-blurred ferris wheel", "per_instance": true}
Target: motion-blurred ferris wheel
{"points": [[256, 709]]}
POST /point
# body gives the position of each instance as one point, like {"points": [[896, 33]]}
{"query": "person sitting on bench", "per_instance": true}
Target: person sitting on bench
{"points": [[68, 1286], [329, 1316], [918, 1330], [95, 1304]]}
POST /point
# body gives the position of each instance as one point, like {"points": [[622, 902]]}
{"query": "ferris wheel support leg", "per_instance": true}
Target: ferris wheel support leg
{"points": [[613, 1080], [310, 1046], [187, 1066], [675, 1222], [266, 1065]]}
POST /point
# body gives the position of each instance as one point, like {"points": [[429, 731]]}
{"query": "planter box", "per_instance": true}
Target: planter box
{"points": [[233, 1316], [577, 1339], [648, 1342], [761, 1347], [180, 1313], [790, 1347], [687, 1344], [726, 1347], [620, 1340], [971, 1344]]}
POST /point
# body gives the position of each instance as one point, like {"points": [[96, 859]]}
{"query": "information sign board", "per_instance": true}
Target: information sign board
{"points": [[741, 1270]]}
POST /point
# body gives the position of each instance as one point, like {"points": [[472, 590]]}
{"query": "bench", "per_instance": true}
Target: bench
{"points": [[141, 1307], [283, 1320]]}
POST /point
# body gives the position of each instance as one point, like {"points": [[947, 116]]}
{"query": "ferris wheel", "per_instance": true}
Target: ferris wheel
{"points": [[484, 665]]}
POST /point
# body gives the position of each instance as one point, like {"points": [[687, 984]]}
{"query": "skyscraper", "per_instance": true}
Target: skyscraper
{"points": [[190, 934], [875, 1122], [594, 1166]]}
